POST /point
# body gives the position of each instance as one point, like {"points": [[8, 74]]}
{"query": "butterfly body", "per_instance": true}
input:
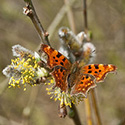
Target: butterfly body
{"points": [[73, 78]]}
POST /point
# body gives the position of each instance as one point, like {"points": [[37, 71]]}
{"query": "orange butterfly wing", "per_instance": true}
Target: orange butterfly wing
{"points": [[60, 74], [55, 58], [60, 64], [84, 84], [98, 70], [83, 80], [88, 75]]}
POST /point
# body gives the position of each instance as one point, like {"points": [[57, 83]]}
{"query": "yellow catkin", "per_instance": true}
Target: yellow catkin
{"points": [[24, 89]]}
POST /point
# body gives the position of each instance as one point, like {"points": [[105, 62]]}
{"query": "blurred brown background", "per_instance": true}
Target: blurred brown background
{"points": [[106, 19]]}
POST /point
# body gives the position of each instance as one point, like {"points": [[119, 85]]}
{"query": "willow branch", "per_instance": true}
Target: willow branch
{"points": [[92, 91], [85, 15], [73, 114], [87, 101], [94, 103], [29, 11], [58, 19], [70, 16], [88, 111]]}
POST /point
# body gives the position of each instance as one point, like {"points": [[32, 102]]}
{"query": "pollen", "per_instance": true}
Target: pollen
{"points": [[52, 81], [24, 89], [89, 84], [63, 97], [23, 70]]}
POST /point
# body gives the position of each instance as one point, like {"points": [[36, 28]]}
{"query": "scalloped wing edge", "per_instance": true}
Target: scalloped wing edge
{"points": [[85, 94]]}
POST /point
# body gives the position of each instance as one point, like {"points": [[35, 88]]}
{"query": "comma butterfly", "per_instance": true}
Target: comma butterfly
{"points": [[71, 77]]}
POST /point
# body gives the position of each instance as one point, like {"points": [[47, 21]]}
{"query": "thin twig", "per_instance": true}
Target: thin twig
{"points": [[58, 19], [94, 103], [87, 101], [92, 91], [70, 16], [88, 111], [29, 10], [73, 114], [85, 15]]}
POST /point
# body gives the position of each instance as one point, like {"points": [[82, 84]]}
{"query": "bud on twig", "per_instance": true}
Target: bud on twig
{"points": [[62, 110]]}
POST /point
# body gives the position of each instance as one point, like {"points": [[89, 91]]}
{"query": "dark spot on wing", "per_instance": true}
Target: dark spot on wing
{"points": [[96, 66], [89, 71], [58, 55], [53, 57], [64, 59], [56, 60], [81, 83], [87, 77], [61, 70], [61, 63], [96, 72], [99, 70], [89, 67]]}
